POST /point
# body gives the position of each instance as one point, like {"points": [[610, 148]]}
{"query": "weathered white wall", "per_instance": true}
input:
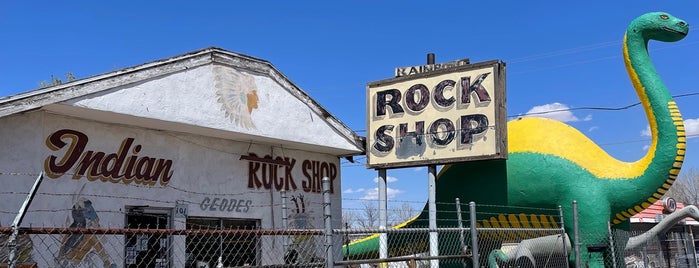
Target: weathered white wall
{"points": [[202, 167]]}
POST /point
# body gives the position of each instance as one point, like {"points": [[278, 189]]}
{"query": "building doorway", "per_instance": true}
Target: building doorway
{"points": [[147, 249]]}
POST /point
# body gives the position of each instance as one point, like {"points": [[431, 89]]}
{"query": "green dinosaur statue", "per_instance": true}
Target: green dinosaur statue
{"points": [[552, 164]]}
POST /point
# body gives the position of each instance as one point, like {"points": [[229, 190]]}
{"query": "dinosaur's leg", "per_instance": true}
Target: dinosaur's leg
{"points": [[593, 228]]}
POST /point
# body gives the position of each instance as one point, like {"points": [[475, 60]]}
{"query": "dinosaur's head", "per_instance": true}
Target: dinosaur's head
{"points": [[659, 26]]}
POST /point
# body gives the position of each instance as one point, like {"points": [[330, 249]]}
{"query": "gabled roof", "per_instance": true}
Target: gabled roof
{"points": [[101, 98]]}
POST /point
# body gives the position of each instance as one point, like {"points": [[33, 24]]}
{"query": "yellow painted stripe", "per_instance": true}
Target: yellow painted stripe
{"points": [[554, 224], [545, 222], [658, 196], [535, 221], [674, 171], [626, 214], [486, 223], [652, 200], [679, 158], [677, 165], [662, 191], [645, 205], [503, 221], [615, 221], [631, 211], [514, 221], [620, 217], [681, 146], [494, 222], [524, 221]]}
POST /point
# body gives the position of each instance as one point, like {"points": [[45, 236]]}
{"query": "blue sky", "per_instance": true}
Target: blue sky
{"points": [[558, 54]]}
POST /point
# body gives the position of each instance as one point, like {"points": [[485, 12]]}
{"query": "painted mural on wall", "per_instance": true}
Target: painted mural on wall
{"points": [[237, 94], [82, 250], [302, 248]]}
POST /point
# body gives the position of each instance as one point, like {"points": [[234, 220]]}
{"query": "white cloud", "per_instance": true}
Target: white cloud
{"points": [[691, 127], [646, 147], [419, 168], [373, 194], [593, 128], [388, 179], [588, 118], [557, 111], [352, 191]]}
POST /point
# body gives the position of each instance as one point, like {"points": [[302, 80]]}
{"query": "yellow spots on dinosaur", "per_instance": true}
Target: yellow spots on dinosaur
{"points": [[625, 214], [523, 221], [514, 221]]}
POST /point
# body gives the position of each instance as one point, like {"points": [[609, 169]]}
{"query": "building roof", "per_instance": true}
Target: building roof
{"points": [[113, 97], [655, 213]]}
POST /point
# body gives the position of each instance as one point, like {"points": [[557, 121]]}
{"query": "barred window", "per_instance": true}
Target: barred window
{"points": [[233, 248]]}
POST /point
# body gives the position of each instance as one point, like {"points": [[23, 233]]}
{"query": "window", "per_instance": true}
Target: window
{"points": [[233, 248]]}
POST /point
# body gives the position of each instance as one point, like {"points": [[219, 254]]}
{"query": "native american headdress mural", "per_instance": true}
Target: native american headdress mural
{"points": [[237, 93]]}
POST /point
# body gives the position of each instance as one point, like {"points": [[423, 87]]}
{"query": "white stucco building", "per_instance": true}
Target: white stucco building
{"points": [[208, 138]]}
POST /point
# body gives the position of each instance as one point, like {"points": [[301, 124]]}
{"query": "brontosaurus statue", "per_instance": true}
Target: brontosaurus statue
{"points": [[551, 164]]}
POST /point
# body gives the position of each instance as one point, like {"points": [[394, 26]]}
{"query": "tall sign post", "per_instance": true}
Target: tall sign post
{"points": [[432, 115]]}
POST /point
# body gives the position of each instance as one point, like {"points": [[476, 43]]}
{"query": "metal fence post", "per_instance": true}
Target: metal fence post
{"points": [[285, 220], [383, 216], [12, 240], [329, 261], [460, 224], [474, 234], [564, 236], [612, 244], [432, 213], [576, 234]]}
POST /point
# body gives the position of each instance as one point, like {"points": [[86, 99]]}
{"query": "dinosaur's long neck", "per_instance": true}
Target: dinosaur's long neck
{"points": [[661, 165]]}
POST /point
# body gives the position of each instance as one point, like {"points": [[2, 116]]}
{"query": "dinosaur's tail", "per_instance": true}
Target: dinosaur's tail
{"points": [[399, 244]]}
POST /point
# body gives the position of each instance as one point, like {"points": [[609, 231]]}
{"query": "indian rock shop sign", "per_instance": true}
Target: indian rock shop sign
{"points": [[445, 116]]}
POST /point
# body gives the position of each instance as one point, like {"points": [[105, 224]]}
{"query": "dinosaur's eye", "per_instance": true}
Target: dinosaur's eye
{"points": [[664, 17]]}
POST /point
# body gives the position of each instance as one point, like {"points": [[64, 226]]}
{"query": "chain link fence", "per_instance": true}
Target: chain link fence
{"points": [[205, 247], [467, 235]]}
